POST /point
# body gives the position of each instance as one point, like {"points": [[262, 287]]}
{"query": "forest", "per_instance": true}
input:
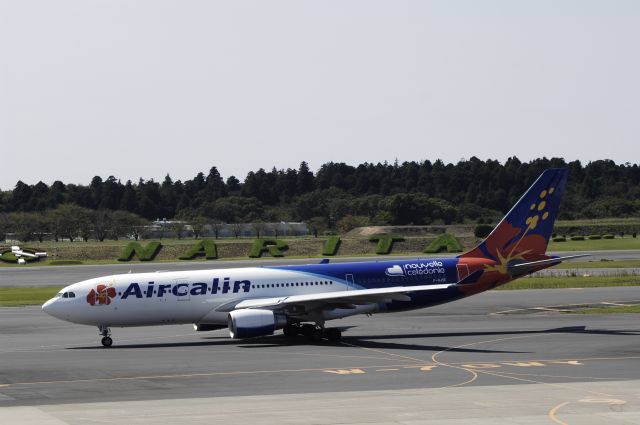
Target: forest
{"points": [[337, 197]]}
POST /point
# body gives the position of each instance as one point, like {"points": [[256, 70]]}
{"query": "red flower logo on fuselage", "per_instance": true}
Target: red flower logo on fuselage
{"points": [[101, 295]]}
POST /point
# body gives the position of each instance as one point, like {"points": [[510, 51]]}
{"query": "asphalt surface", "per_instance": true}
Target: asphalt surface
{"points": [[501, 357], [66, 275], [495, 338]]}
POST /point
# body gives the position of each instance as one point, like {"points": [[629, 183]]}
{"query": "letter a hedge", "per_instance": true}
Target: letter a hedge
{"points": [[206, 248], [442, 243]]}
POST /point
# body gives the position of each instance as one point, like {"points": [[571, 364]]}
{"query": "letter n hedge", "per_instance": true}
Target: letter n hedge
{"points": [[147, 253]]}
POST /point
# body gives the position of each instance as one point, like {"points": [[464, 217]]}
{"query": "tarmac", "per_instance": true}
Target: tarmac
{"points": [[501, 357]]}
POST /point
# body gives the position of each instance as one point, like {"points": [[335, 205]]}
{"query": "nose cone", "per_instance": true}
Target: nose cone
{"points": [[52, 307], [46, 307]]}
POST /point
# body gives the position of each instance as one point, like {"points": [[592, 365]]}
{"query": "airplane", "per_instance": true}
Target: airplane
{"points": [[300, 299], [18, 252]]}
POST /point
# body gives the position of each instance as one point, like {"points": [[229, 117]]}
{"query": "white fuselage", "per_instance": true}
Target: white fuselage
{"points": [[182, 297]]}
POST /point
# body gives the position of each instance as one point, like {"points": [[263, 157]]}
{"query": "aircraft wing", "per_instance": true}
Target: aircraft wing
{"points": [[344, 299], [355, 297]]}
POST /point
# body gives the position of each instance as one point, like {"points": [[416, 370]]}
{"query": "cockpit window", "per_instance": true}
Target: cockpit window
{"points": [[72, 295], [65, 295], [68, 294]]}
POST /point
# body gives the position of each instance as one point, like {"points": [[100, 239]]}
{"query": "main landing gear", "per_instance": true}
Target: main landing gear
{"points": [[106, 336], [313, 333]]}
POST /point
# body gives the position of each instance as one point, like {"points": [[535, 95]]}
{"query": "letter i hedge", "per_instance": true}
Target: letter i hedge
{"points": [[331, 245]]}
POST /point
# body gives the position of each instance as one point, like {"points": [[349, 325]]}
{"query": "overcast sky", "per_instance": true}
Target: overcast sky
{"points": [[145, 88]]}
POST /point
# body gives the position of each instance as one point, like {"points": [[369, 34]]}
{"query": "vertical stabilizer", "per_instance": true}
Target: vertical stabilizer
{"points": [[525, 231]]}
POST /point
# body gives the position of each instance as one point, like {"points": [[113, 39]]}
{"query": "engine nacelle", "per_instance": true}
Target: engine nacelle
{"points": [[249, 323]]}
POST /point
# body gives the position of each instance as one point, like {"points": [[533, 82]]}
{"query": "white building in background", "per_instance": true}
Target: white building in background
{"points": [[168, 228]]}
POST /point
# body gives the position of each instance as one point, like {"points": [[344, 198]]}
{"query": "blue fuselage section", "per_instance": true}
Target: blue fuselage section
{"points": [[384, 274]]}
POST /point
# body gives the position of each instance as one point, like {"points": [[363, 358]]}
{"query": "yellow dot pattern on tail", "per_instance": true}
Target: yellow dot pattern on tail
{"points": [[532, 221]]}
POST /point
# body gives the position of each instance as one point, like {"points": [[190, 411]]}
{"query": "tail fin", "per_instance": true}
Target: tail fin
{"points": [[525, 231]]}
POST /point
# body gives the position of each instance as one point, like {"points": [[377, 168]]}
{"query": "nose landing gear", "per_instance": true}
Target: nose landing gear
{"points": [[106, 336]]}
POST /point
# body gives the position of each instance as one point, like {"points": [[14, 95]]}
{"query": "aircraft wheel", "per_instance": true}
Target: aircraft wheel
{"points": [[290, 331], [107, 341], [307, 329], [315, 335], [333, 334]]}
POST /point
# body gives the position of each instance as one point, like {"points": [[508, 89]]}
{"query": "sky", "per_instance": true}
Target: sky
{"points": [[145, 88]]}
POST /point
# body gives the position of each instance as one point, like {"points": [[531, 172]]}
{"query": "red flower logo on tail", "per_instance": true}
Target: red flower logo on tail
{"points": [[101, 295]]}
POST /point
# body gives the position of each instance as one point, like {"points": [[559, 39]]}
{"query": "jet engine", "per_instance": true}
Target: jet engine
{"points": [[248, 323]]}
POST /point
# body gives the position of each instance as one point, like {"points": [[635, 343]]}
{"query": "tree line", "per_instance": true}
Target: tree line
{"points": [[337, 196]]}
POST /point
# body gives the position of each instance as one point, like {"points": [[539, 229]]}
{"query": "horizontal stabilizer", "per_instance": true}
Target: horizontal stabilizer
{"points": [[472, 278], [524, 268]]}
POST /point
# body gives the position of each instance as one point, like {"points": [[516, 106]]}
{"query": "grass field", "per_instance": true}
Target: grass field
{"points": [[165, 241], [93, 252], [599, 222], [617, 264], [14, 297], [571, 282], [596, 245], [212, 263], [609, 310], [587, 245]]}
